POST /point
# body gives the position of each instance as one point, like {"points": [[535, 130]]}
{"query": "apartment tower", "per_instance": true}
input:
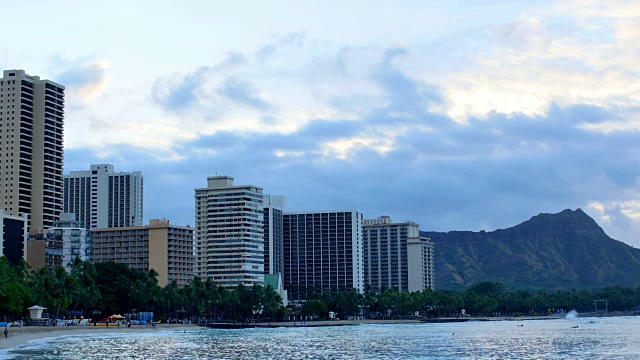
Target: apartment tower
{"points": [[229, 243], [274, 206], [395, 256], [103, 198], [322, 251], [31, 141]]}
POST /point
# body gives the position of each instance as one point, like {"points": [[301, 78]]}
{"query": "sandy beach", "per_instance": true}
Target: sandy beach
{"points": [[23, 335]]}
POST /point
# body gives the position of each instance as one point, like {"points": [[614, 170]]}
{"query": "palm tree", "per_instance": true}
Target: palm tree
{"points": [[64, 290], [84, 277], [42, 288]]}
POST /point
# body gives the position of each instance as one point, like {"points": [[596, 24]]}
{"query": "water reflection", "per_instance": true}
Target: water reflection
{"points": [[548, 339]]}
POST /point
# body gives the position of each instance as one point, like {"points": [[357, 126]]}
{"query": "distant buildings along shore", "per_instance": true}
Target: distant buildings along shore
{"points": [[241, 235]]}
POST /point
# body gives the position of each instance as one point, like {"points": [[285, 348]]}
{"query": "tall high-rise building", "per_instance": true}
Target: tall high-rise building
{"points": [[102, 198], [274, 206], [31, 142], [229, 243], [322, 251], [395, 256], [160, 246]]}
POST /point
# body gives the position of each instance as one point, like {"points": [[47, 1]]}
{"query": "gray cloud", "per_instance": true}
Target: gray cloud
{"points": [[183, 93], [487, 174], [82, 76], [448, 179], [243, 92], [405, 95], [86, 80], [289, 40]]}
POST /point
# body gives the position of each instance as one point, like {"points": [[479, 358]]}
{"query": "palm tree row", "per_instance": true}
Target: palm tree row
{"points": [[101, 289]]}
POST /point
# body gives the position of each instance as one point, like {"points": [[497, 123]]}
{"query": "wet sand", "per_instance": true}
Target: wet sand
{"points": [[23, 335]]}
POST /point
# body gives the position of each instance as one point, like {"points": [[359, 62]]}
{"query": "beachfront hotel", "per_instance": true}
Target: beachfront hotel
{"points": [[322, 251], [229, 245], [31, 147], [103, 198], [160, 246], [396, 257]]}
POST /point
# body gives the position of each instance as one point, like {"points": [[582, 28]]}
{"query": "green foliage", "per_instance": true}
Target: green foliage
{"points": [[548, 252], [110, 288], [13, 291], [315, 307]]}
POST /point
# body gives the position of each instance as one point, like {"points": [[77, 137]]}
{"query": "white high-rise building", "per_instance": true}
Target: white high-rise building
{"points": [[322, 251], [103, 198], [31, 147], [77, 242], [229, 243], [395, 256], [274, 207]]}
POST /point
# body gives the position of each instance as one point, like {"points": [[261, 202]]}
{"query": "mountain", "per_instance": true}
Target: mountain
{"points": [[548, 252]]}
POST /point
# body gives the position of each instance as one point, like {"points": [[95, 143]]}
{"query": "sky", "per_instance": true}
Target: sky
{"points": [[469, 115]]}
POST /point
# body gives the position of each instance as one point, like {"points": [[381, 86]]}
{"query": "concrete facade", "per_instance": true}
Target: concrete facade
{"points": [[31, 147], [229, 245], [44, 249], [421, 264], [103, 198], [59, 245], [77, 242], [323, 250], [274, 207], [160, 246], [395, 256]]}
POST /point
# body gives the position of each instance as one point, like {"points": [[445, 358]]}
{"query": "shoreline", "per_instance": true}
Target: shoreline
{"points": [[19, 336]]}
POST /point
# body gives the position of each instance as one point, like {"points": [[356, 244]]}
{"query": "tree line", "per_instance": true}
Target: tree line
{"points": [[102, 289]]}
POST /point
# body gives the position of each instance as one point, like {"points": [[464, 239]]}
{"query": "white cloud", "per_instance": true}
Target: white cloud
{"points": [[531, 65]]}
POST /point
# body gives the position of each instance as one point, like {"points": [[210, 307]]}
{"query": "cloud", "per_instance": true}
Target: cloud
{"points": [[244, 93], [85, 81], [484, 175], [177, 94], [295, 39], [478, 131], [533, 62], [405, 95], [181, 93]]}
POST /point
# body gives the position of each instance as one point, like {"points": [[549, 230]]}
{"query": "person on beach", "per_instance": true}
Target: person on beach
{"points": [[6, 332]]}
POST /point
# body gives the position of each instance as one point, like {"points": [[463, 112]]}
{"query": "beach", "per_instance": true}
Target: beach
{"points": [[23, 335]]}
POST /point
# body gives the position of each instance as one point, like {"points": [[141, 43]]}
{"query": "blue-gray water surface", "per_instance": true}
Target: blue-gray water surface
{"points": [[595, 338]]}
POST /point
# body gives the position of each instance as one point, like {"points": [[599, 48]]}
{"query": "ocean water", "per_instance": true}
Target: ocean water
{"points": [[595, 338]]}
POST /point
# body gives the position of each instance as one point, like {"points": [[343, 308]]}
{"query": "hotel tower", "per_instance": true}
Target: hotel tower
{"points": [[103, 198], [31, 138], [229, 244]]}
